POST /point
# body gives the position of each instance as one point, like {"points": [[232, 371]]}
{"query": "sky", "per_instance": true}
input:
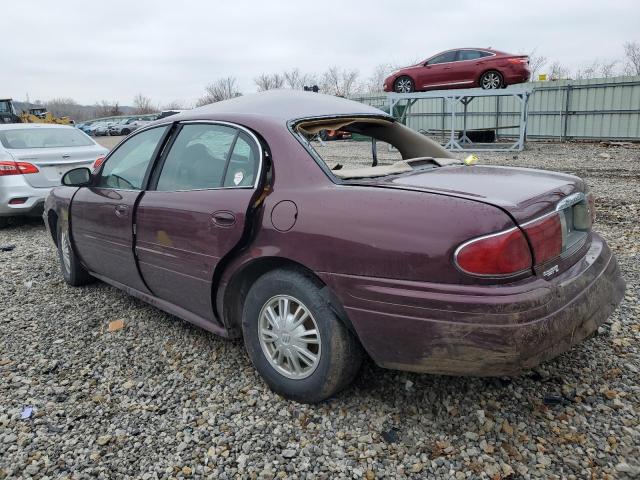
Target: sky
{"points": [[112, 50]]}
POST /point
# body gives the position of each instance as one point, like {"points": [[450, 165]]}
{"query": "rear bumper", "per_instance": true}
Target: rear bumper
{"points": [[517, 75], [15, 187], [481, 330]]}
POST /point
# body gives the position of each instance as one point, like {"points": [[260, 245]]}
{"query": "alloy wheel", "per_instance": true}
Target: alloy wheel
{"points": [[491, 81], [289, 337], [403, 85]]}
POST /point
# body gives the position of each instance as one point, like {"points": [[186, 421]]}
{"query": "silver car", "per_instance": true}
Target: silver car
{"points": [[33, 158]]}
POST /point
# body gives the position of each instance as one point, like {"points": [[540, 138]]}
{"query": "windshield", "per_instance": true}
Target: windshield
{"points": [[43, 138]]}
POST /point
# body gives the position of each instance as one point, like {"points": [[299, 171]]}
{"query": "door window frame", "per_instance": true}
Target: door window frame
{"points": [[150, 166], [154, 176]]}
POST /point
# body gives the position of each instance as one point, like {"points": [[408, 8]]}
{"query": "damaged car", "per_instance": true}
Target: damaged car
{"points": [[232, 217]]}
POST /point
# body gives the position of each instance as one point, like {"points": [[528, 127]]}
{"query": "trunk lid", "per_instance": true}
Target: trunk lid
{"points": [[524, 193], [53, 163]]}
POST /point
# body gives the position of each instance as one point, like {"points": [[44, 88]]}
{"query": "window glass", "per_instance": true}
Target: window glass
{"points": [[197, 158], [126, 167], [243, 163], [44, 138], [469, 54], [443, 58]]}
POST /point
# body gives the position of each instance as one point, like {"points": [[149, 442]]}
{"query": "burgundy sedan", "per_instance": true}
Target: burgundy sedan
{"points": [[461, 68], [227, 216]]}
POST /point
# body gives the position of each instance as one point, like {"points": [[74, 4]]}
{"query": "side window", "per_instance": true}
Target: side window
{"points": [[443, 58], [197, 158], [126, 167], [469, 55], [243, 163]]}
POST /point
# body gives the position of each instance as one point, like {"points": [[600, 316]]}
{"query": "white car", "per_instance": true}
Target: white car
{"points": [[33, 158]]}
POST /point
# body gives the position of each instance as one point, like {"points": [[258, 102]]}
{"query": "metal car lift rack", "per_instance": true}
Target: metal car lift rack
{"points": [[465, 97]]}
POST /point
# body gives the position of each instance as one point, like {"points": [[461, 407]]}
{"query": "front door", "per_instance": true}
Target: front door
{"points": [[437, 71], [102, 215], [195, 212]]}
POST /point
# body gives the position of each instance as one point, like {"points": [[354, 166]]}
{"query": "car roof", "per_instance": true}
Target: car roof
{"points": [[284, 105], [20, 126]]}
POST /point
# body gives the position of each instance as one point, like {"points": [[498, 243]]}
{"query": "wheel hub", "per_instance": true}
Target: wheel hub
{"points": [[289, 337]]}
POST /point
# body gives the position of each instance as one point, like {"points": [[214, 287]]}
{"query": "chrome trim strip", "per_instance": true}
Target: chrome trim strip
{"points": [[570, 201]]}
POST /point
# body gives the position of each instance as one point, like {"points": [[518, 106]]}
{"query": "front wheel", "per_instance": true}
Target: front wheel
{"points": [[294, 339], [491, 80], [403, 84], [72, 271]]}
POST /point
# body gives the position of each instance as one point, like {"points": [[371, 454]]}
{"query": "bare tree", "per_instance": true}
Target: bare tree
{"points": [[296, 80], [63, 107], [339, 82], [632, 54], [142, 104], [175, 105], [220, 89], [597, 69], [269, 81], [376, 80], [536, 62], [105, 108], [557, 71]]}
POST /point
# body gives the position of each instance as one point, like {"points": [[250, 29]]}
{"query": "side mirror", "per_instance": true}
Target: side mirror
{"points": [[78, 177]]}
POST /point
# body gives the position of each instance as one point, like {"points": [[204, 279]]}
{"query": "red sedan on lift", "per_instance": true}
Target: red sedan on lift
{"points": [[461, 68]]}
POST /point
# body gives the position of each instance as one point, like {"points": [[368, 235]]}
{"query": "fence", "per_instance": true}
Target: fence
{"points": [[593, 109]]}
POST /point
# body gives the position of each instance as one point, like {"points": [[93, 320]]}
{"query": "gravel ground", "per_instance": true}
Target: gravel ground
{"points": [[163, 399]]}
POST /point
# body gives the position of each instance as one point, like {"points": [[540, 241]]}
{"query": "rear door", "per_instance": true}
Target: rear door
{"points": [[470, 65], [102, 215], [197, 212]]}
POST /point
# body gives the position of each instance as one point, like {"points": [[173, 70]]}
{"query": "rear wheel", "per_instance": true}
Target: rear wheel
{"points": [[294, 339], [403, 84], [4, 221], [72, 271], [491, 80]]}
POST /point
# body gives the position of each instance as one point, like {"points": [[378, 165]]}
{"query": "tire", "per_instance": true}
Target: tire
{"points": [[126, 131], [404, 84], [338, 354], [4, 222], [72, 271], [491, 80]]}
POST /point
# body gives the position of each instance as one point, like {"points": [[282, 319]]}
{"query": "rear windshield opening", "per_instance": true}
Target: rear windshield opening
{"points": [[20, 138], [370, 147]]}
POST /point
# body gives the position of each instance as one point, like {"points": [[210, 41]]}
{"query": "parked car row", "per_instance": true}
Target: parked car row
{"points": [[121, 127]]}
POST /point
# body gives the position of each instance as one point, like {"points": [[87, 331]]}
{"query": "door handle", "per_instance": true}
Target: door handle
{"points": [[224, 219], [122, 210]]}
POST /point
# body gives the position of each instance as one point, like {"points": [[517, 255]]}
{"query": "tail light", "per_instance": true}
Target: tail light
{"points": [[500, 254], [17, 168], [518, 60], [545, 235], [98, 163], [510, 252]]}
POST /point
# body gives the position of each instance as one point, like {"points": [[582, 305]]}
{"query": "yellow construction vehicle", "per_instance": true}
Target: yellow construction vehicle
{"points": [[41, 115]]}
